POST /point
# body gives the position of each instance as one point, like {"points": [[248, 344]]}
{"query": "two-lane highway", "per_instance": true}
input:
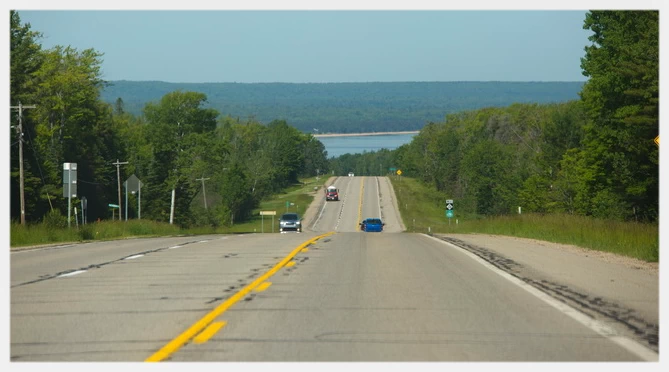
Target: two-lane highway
{"points": [[346, 296], [360, 198]]}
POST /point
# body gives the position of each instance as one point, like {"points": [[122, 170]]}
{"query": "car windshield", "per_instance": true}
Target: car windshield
{"points": [[289, 217], [374, 221]]}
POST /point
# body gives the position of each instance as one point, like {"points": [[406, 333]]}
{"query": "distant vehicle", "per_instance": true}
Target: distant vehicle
{"points": [[350, 174], [290, 222], [331, 193], [372, 225]]}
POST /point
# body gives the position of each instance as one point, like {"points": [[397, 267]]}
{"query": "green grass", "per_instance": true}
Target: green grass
{"points": [[38, 234], [423, 210]]}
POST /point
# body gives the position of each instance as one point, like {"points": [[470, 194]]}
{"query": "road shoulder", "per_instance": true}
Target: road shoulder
{"points": [[618, 290]]}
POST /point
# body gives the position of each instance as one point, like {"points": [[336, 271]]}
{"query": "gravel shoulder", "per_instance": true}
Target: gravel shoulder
{"points": [[618, 290]]}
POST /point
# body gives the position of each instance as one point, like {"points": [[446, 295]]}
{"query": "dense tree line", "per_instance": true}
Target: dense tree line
{"points": [[176, 143], [595, 156], [349, 107]]}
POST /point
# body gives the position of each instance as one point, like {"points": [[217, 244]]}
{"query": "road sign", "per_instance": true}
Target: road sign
{"points": [[113, 205], [657, 141], [449, 204], [268, 213], [392, 169], [399, 172], [449, 214], [69, 180], [132, 184]]}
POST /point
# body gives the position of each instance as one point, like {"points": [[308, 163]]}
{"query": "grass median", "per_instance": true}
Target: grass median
{"points": [[423, 210], [296, 198]]}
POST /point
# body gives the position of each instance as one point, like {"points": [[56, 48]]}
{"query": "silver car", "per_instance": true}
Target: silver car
{"points": [[290, 222]]}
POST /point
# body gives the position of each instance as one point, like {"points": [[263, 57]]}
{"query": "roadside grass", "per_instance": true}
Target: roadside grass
{"points": [[38, 234], [423, 210], [298, 196]]}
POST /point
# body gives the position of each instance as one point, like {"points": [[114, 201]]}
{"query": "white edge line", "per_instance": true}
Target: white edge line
{"points": [[320, 215], [175, 247], [133, 257], [628, 344], [72, 273]]}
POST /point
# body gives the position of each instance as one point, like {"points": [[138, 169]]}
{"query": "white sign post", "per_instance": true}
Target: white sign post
{"points": [[262, 219], [69, 186]]}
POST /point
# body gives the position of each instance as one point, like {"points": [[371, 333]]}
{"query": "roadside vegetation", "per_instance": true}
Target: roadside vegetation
{"points": [[423, 210], [585, 172], [54, 227]]}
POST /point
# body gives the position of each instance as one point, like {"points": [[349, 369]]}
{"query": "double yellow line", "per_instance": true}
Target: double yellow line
{"points": [[201, 324]]}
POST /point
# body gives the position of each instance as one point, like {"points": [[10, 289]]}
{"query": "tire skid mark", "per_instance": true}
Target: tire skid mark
{"points": [[66, 273], [593, 306]]}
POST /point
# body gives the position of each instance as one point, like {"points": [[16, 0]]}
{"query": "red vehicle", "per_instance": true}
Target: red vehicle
{"points": [[331, 193]]}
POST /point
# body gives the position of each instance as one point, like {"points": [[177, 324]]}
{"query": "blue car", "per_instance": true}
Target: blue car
{"points": [[372, 225]]}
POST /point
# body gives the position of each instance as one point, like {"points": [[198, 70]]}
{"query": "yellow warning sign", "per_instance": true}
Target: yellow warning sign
{"points": [[657, 140], [399, 172]]}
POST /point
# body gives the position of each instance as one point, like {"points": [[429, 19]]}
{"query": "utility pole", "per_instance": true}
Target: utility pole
{"points": [[20, 107], [204, 192], [118, 177]]}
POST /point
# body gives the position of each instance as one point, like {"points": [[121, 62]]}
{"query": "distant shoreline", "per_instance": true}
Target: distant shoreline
{"points": [[364, 134]]}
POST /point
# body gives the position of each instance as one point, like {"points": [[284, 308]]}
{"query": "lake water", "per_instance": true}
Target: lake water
{"points": [[336, 146]]}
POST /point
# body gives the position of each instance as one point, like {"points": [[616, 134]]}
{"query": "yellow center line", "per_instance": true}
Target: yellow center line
{"points": [[196, 328], [263, 286], [362, 187], [290, 264], [208, 332]]}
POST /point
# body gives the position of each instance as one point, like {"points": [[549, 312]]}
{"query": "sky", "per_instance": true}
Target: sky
{"points": [[323, 46]]}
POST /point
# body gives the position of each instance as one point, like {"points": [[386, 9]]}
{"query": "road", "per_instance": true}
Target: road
{"points": [[346, 296]]}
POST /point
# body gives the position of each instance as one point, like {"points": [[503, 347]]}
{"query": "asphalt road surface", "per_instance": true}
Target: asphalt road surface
{"points": [[332, 293]]}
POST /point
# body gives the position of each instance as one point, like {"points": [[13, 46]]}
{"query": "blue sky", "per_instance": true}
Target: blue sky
{"points": [[323, 46]]}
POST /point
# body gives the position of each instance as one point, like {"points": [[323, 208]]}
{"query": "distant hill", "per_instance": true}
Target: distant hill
{"points": [[348, 107]]}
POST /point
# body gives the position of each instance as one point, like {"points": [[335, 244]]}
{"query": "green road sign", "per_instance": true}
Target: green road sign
{"points": [[113, 205], [449, 213], [392, 169]]}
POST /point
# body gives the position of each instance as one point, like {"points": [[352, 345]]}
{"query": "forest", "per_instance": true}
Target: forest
{"points": [[175, 145], [574, 148], [348, 107], [595, 156]]}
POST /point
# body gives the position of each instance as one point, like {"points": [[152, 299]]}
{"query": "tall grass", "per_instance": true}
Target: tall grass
{"points": [[423, 209], [298, 196], [45, 234]]}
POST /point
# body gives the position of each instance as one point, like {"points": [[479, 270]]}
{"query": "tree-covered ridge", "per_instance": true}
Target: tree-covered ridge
{"points": [[349, 107], [595, 156]]}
